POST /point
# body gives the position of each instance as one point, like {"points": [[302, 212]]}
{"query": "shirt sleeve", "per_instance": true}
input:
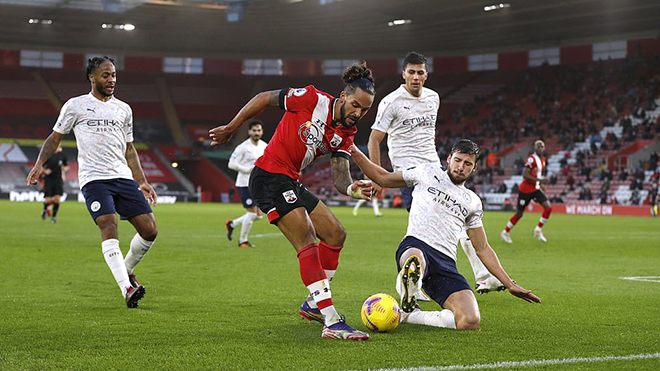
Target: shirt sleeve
{"points": [[236, 160], [412, 175], [384, 116], [530, 162], [299, 99], [66, 120], [128, 124], [473, 219], [345, 149]]}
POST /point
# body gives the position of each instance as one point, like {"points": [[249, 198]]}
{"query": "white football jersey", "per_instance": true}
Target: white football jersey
{"points": [[409, 122], [441, 210], [102, 130], [243, 158]]}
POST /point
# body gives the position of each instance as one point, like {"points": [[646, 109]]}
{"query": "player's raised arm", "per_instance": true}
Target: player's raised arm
{"points": [[490, 260], [222, 134], [48, 149], [376, 173]]}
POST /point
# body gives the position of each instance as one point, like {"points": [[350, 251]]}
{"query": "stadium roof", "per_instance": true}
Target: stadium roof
{"points": [[317, 29]]}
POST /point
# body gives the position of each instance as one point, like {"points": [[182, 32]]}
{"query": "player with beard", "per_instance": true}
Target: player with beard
{"points": [[108, 163], [426, 257], [314, 124]]}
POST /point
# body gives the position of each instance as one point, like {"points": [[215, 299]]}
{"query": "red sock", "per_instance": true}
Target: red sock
{"points": [[514, 219], [311, 270], [545, 216], [329, 256]]}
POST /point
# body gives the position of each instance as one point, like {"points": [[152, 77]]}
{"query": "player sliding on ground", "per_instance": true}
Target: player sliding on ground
{"points": [[426, 257], [315, 124]]}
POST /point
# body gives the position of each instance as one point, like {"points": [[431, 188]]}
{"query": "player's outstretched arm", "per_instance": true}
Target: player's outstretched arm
{"points": [[133, 161], [375, 138], [487, 256], [341, 177], [222, 134], [48, 149], [376, 173]]}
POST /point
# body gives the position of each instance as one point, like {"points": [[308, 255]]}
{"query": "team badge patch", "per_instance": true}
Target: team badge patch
{"points": [[335, 141], [95, 206], [297, 92], [290, 197]]}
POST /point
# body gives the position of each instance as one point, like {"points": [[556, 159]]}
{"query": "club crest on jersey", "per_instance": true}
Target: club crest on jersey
{"points": [[297, 92], [335, 141], [290, 197]]}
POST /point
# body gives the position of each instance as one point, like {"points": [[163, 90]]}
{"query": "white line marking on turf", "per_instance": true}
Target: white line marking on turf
{"points": [[530, 363], [267, 235], [643, 278]]}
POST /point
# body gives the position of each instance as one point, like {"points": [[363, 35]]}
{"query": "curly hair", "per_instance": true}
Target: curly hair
{"points": [[94, 63], [357, 75]]}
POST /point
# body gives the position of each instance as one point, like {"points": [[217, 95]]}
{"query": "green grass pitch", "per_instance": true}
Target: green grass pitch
{"points": [[213, 306]]}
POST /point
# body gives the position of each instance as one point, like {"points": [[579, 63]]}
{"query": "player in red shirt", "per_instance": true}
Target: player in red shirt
{"points": [[532, 187], [315, 124]]}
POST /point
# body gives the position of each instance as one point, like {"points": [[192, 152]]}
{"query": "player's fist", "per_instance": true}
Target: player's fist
{"points": [[360, 189], [221, 134], [34, 175]]}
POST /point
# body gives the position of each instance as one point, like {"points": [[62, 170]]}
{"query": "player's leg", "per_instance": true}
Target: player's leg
{"points": [[47, 202], [357, 206], [464, 306], [409, 280], [523, 201], [484, 281], [249, 218], [542, 199], [374, 203], [142, 242], [56, 206]]}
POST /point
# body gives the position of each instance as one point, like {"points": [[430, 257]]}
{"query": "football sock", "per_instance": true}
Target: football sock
{"points": [[238, 221], [544, 216], [46, 205], [56, 207], [374, 203], [443, 318], [314, 278], [329, 256], [514, 219], [139, 248], [479, 269], [248, 219], [115, 261]]}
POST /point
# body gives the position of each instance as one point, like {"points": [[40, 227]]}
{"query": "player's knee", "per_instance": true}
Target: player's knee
{"points": [[150, 233], [468, 322], [337, 236]]}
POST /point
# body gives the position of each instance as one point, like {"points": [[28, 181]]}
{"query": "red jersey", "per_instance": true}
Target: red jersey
{"points": [[305, 132], [536, 165]]}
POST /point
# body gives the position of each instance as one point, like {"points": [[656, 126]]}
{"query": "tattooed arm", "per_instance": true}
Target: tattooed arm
{"points": [[133, 161], [222, 134], [48, 149], [341, 177]]}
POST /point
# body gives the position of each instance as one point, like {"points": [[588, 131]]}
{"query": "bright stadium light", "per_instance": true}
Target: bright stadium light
{"points": [[499, 6], [33, 20], [106, 25], [46, 21], [129, 27], [399, 22], [175, 164]]}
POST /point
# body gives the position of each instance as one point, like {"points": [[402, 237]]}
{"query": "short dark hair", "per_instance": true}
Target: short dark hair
{"points": [[255, 122], [415, 58], [94, 63], [357, 75], [466, 146]]}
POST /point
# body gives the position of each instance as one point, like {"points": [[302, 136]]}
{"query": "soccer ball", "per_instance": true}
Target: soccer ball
{"points": [[381, 313]]}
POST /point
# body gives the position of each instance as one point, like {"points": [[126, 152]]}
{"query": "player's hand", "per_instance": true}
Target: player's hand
{"points": [[376, 190], [221, 134], [361, 189], [48, 171], [149, 193], [524, 294], [34, 175]]}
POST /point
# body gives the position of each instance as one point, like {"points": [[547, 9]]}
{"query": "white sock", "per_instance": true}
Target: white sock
{"points": [[238, 221], [139, 248], [443, 318], [248, 219], [310, 297], [374, 203], [115, 260], [321, 289], [358, 204], [479, 269]]}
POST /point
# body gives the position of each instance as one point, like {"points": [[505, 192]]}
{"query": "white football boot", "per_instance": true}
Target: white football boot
{"points": [[409, 283], [539, 234], [505, 236], [489, 284]]}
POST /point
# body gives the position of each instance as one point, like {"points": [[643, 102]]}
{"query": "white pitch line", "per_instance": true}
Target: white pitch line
{"points": [[530, 363], [643, 278], [267, 235]]}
